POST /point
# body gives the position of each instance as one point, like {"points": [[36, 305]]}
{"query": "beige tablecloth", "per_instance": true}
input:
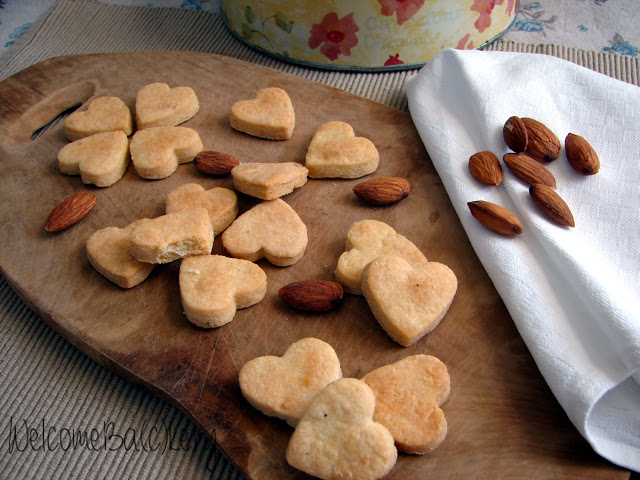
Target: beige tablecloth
{"points": [[45, 382]]}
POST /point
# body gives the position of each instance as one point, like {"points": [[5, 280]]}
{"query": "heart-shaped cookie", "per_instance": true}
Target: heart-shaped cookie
{"points": [[221, 203], [408, 301], [104, 114], [268, 181], [284, 386], [172, 236], [270, 115], [157, 105], [213, 287], [338, 438], [156, 152], [367, 240], [271, 230], [409, 393], [100, 159], [335, 152], [108, 252]]}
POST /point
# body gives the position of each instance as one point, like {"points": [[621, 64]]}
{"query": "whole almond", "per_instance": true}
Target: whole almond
{"points": [[383, 190], [485, 168], [495, 217], [70, 211], [215, 163], [551, 204], [312, 295], [526, 168], [515, 134], [581, 155], [543, 144]]}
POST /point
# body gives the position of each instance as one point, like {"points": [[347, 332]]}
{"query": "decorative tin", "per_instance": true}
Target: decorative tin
{"points": [[366, 34]]}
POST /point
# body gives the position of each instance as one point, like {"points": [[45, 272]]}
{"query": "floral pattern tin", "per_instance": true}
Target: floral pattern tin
{"points": [[366, 34]]}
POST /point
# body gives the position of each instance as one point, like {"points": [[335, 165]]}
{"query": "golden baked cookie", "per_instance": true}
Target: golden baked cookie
{"points": [[367, 240], [104, 114], [335, 152], [270, 115], [221, 203], [408, 394], [284, 386], [158, 105], [268, 181], [108, 252], [408, 301], [156, 152], [172, 236], [100, 159], [271, 230], [337, 437], [214, 287]]}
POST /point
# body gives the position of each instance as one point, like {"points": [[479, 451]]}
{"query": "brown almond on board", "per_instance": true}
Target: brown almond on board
{"points": [[383, 190], [495, 217], [215, 163], [526, 168], [543, 144], [485, 168], [312, 295], [515, 134], [70, 211], [548, 200], [581, 155]]}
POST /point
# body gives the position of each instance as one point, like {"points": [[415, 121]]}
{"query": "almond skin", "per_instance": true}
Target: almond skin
{"points": [[215, 163], [548, 200], [70, 211], [485, 168], [515, 134], [383, 190], [526, 168], [495, 217], [581, 155], [312, 295], [543, 144]]}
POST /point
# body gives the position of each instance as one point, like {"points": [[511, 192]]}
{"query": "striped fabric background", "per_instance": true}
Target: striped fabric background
{"points": [[44, 381]]}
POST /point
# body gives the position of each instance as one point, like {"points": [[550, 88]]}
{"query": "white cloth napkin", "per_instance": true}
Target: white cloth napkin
{"points": [[574, 293]]}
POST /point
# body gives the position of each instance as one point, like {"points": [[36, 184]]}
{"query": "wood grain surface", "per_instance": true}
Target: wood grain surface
{"points": [[503, 420]]}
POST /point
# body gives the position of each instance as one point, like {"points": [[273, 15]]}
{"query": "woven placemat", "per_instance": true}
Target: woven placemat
{"points": [[48, 387], [81, 26]]}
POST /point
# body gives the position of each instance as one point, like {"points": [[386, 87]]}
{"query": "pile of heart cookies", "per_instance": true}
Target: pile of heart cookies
{"points": [[100, 149], [348, 427], [407, 294], [212, 287], [344, 427]]}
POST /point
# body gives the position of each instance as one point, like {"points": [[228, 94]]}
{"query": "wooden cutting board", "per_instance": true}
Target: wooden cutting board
{"points": [[503, 420]]}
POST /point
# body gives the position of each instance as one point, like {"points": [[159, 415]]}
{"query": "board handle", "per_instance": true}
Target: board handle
{"points": [[52, 109]]}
